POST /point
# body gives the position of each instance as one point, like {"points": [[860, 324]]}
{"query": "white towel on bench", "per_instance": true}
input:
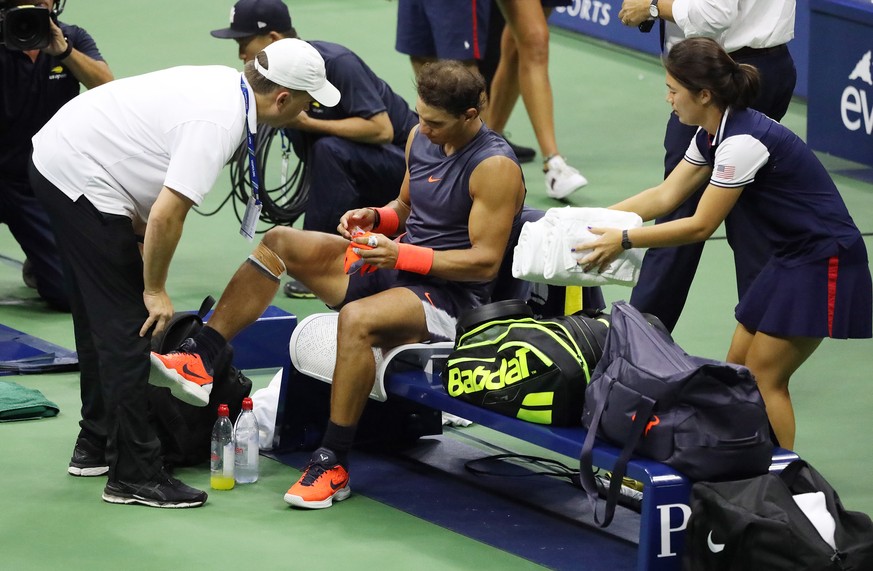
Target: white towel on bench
{"points": [[543, 253]]}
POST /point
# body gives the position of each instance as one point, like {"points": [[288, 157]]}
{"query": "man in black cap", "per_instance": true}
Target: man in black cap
{"points": [[36, 83], [354, 152]]}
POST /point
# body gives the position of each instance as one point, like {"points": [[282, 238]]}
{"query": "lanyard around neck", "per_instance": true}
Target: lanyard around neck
{"points": [[250, 142]]}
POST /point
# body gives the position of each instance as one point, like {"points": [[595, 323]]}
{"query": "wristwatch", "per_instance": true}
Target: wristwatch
{"points": [[646, 25], [625, 241]]}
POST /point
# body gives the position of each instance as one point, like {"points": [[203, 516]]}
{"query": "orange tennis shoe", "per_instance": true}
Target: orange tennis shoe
{"points": [[184, 373], [323, 481]]}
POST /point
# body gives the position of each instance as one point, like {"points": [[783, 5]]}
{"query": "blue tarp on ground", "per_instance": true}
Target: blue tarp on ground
{"points": [[21, 353]]}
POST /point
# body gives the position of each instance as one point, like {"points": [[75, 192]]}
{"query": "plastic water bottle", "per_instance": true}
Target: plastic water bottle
{"points": [[222, 458], [245, 438]]}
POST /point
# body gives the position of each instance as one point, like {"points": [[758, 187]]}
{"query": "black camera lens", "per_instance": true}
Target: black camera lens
{"points": [[26, 28]]}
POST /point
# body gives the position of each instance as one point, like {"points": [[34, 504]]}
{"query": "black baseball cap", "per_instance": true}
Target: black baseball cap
{"points": [[255, 18]]}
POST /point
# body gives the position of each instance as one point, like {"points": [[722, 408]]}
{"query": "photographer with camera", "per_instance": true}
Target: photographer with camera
{"points": [[42, 64]]}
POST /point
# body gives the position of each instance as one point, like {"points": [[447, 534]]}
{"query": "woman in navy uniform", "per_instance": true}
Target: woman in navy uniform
{"points": [[817, 283]]}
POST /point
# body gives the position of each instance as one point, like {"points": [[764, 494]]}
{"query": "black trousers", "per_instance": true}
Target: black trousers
{"points": [[31, 228], [345, 175], [667, 273], [104, 270]]}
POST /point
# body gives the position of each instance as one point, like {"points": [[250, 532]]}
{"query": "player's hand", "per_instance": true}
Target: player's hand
{"points": [[378, 250], [359, 218]]}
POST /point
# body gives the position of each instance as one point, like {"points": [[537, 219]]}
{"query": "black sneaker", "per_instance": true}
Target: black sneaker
{"points": [[297, 290], [28, 275], [523, 154], [88, 459], [162, 492]]}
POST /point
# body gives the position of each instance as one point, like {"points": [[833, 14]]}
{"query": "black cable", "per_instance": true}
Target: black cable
{"points": [[282, 205], [523, 466]]}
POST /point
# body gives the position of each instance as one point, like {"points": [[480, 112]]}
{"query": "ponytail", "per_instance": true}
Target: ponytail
{"points": [[700, 63], [747, 80]]}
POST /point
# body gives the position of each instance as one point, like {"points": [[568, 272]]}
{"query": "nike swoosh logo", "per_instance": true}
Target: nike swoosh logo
{"points": [[432, 179], [714, 547], [337, 485], [188, 371]]}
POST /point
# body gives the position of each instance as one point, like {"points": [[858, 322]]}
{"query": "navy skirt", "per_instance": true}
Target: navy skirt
{"points": [[830, 297]]}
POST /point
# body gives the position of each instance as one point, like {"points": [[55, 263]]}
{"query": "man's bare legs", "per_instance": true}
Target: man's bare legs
{"points": [[387, 319]]}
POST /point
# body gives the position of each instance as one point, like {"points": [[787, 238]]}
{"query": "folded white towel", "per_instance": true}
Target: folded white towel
{"points": [[815, 507], [265, 404], [544, 250]]}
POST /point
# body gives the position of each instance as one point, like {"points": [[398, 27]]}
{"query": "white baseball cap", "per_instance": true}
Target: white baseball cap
{"points": [[294, 64]]}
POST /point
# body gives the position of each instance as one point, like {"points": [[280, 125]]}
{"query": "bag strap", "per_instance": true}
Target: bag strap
{"points": [[586, 470], [790, 472], [586, 466], [207, 304]]}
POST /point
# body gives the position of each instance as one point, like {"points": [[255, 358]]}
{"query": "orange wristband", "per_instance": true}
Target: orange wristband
{"points": [[387, 221], [417, 259]]}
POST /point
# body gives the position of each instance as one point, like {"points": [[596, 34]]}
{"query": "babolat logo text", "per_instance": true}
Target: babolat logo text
{"points": [[481, 378], [594, 11], [856, 103]]}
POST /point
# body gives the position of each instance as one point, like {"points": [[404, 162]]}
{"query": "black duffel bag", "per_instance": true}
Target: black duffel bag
{"points": [[185, 430], [757, 524]]}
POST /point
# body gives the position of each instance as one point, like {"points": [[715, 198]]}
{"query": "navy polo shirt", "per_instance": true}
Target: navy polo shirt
{"points": [[32, 92], [364, 94], [788, 196]]}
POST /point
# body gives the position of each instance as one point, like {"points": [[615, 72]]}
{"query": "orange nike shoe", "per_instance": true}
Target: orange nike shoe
{"points": [[184, 373], [323, 481]]}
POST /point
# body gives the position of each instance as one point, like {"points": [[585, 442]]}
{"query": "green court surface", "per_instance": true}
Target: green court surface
{"points": [[610, 117]]}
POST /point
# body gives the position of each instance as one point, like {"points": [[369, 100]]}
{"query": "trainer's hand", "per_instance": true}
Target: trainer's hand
{"points": [[603, 250], [362, 218], [160, 310], [634, 12]]}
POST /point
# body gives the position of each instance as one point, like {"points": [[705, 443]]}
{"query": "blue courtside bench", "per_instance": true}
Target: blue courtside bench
{"points": [[408, 385]]}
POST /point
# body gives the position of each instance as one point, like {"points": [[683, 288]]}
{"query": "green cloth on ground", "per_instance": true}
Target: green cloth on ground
{"points": [[21, 403]]}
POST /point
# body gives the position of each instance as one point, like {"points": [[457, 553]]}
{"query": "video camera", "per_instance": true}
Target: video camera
{"points": [[26, 27]]}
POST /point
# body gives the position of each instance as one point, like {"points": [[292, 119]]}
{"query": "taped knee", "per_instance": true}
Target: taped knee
{"points": [[267, 261]]}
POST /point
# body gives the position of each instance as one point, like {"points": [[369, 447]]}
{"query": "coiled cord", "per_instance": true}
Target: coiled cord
{"points": [[282, 205]]}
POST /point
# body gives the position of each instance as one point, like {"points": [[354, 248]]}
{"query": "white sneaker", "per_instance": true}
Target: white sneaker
{"points": [[562, 180]]}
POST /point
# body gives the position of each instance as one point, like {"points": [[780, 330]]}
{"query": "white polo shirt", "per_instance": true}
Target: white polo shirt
{"points": [[120, 143], [734, 24]]}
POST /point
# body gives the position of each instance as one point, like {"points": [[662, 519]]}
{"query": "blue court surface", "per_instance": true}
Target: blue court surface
{"points": [[540, 518]]}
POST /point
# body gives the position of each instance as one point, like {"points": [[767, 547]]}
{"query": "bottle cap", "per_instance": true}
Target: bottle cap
{"points": [[247, 403], [223, 410]]}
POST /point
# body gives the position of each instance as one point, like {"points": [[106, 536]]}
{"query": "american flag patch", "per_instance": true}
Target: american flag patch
{"points": [[725, 172]]}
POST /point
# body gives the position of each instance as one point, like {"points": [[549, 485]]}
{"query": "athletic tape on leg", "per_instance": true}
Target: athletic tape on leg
{"points": [[267, 261]]}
